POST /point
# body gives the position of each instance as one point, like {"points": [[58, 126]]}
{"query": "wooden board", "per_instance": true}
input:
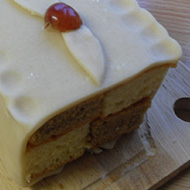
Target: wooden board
{"points": [[128, 166]]}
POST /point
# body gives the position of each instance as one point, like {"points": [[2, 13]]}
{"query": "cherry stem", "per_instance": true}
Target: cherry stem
{"points": [[46, 25]]}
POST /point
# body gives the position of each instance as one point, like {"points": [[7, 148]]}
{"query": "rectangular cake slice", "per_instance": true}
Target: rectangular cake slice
{"points": [[52, 108]]}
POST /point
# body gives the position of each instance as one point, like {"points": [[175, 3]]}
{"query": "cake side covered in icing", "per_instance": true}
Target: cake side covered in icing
{"points": [[37, 61], [40, 78]]}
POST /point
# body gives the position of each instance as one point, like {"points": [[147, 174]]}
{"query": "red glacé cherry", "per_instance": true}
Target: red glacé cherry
{"points": [[62, 17]]}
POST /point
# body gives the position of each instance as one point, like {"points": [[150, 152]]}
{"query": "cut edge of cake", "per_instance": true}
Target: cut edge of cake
{"points": [[46, 152]]}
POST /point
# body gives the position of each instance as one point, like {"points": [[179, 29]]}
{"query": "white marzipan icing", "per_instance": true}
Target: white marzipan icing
{"points": [[87, 51], [83, 45], [39, 77]]}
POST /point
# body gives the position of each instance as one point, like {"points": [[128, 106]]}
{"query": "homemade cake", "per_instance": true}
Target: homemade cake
{"points": [[59, 96]]}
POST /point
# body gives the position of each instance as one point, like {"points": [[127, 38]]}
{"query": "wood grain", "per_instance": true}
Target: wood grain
{"points": [[175, 16], [127, 166], [181, 182]]}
